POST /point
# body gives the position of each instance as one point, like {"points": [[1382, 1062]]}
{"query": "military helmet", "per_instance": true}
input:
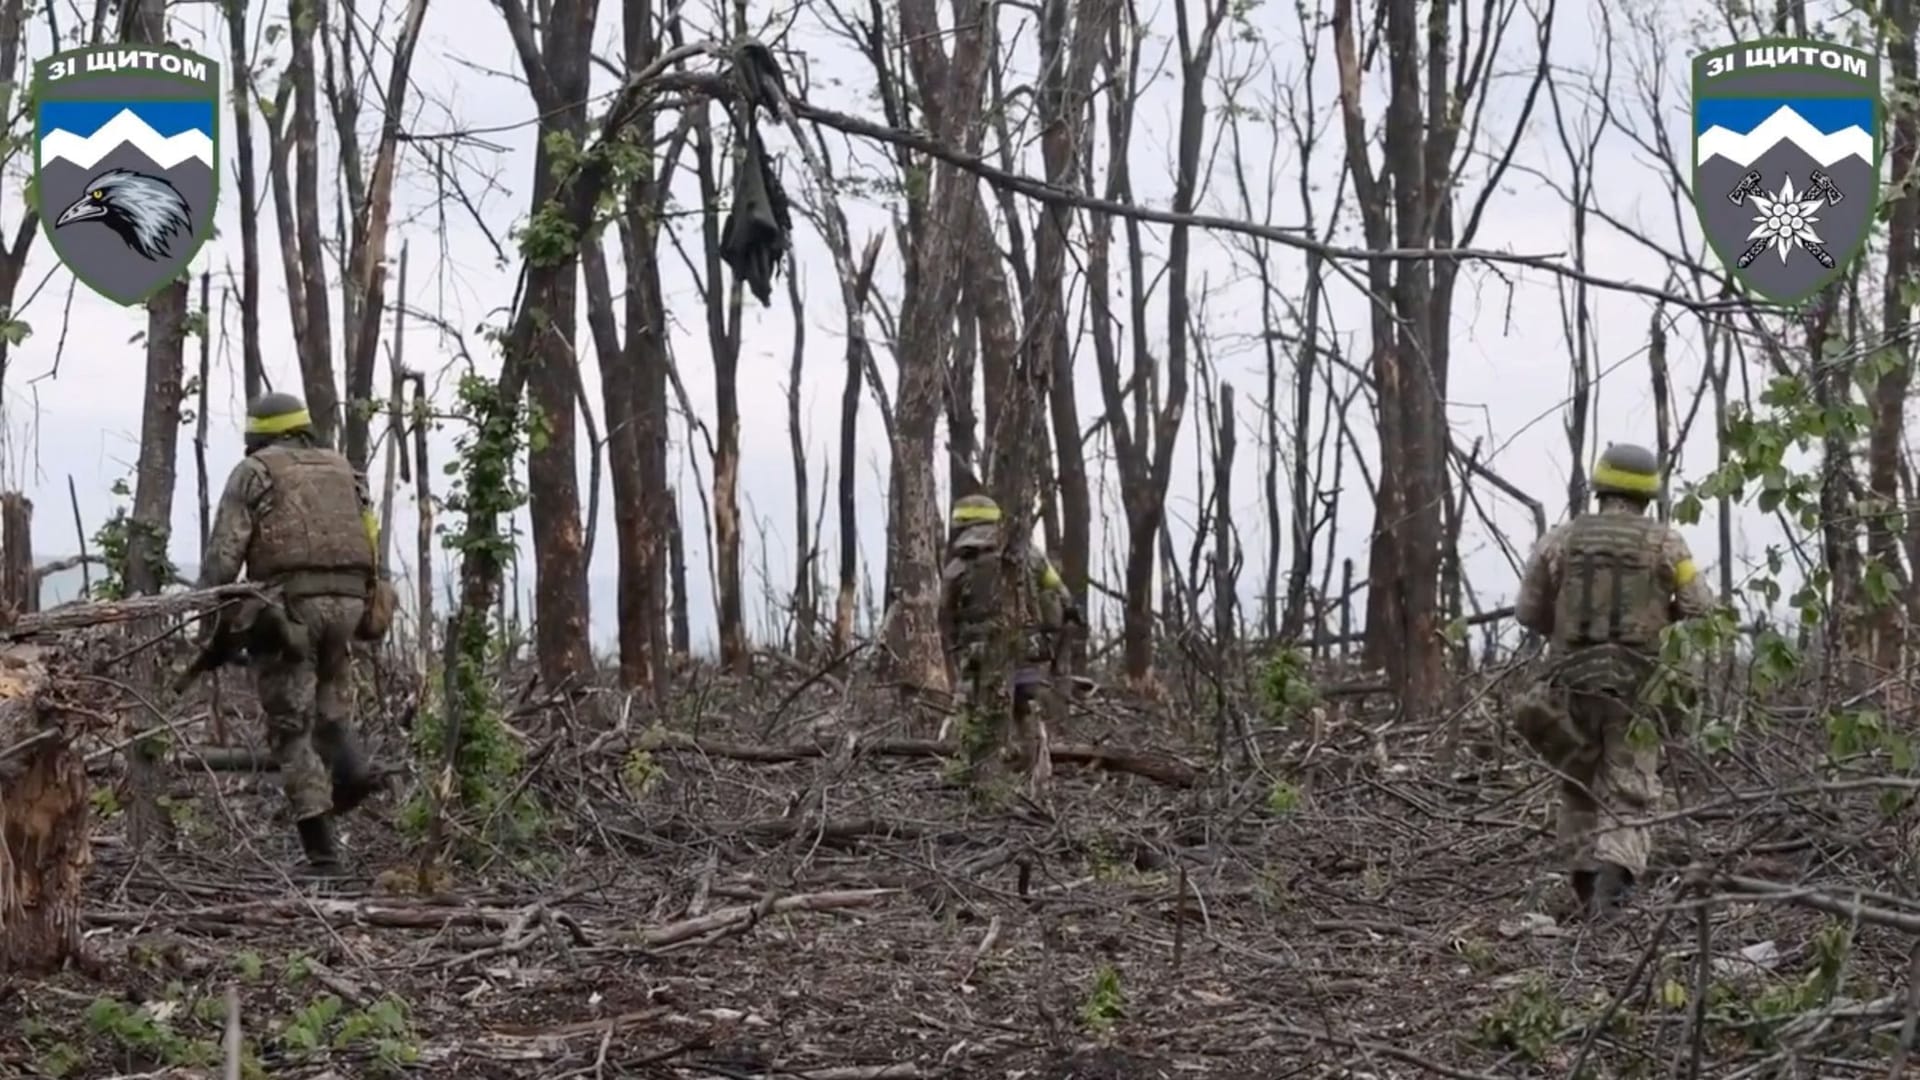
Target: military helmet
{"points": [[974, 510], [274, 415], [1627, 469]]}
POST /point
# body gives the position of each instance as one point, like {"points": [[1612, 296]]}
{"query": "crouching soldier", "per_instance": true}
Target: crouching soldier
{"points": [[297, 516], [1601, 588], [971, 605]]}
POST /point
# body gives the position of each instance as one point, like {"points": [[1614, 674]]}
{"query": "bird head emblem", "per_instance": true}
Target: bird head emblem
{"points": [[145, 211]]}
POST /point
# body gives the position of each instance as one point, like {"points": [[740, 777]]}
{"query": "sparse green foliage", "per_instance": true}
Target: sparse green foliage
{"points": [[1286, 689], [639, 772], [115, 540], [1282, 798], [141, 1030], [326, 1024], [1528, 1021], [1105, 1004]]}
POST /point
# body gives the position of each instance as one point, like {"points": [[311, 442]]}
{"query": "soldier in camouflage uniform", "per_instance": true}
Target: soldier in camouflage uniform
{"points": [[295, 514], [1601, 588], [970, 600]]}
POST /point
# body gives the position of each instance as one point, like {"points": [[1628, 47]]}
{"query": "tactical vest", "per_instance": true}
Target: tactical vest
{"points": [[1611, 587], [309, 519], [975, 571]]}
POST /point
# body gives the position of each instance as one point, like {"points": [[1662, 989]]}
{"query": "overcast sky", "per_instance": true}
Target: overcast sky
{"points": [[1509, 382]]}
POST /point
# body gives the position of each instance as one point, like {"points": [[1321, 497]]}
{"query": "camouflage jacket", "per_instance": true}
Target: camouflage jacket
{"points": [[1647, 580]]}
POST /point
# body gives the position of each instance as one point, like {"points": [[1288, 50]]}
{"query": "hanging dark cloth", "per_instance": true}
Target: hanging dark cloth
{"points": [[759, 227]]}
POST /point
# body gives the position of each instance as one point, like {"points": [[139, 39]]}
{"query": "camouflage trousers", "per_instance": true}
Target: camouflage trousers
{"points": [[306, 690], [1580, 727], [1024, 686]]}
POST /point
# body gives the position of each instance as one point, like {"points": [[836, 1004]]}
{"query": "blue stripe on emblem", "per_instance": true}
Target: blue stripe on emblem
{"points": [[1741, 115], [166, 118]]}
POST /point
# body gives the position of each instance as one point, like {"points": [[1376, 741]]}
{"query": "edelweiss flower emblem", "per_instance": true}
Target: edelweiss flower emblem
{"points": [[1784, 219]]}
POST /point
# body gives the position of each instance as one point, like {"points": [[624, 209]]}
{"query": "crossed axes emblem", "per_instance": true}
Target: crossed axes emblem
{"points": [[1820, 184]]}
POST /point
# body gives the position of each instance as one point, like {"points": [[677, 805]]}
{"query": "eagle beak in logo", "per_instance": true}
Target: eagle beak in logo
{"points": [[89, 207]]}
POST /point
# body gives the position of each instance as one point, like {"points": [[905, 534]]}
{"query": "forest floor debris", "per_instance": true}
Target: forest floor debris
{"points": [[720, 900]]}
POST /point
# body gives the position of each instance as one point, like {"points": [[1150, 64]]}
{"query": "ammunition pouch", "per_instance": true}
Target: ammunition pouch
{"points": [[273, 632], [1616, 671], [254, 627], [378, 615], [1542, 718]]}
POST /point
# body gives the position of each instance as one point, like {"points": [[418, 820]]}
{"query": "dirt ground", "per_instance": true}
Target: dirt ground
{"points": [[1340, 900]]}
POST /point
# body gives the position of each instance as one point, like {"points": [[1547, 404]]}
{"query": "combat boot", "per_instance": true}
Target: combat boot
{"points": [[316, 840], [353, 780], [1612, 886]]}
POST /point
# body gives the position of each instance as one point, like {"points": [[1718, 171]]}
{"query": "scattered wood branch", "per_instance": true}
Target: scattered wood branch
{"points": [[741, 917], [1163, 769]]}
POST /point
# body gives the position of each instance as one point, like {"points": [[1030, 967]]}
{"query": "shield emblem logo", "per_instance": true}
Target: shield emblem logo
{"points": [[1786, 160], [127, 163]]}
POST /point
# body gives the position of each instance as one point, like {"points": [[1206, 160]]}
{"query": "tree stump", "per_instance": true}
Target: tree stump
{"points": [[44, 851], [19, 585]]}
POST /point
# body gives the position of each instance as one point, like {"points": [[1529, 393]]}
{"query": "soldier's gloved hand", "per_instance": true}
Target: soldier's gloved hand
{"points": [[1071, 616]]}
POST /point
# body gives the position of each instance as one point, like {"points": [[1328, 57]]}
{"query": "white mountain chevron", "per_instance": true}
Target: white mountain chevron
{"points": [[1788, 126], [87, 151]]}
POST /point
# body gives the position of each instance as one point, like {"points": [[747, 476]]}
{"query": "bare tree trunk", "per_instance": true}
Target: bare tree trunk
{"points": [[149, 523], [803, 602], [723, 300], [1885, 521], [1146, 509], [369, 269], [423, 509], [1069, 67], [926, 336], [249, 181], [633, 384], [849, 568], [558, 75], [1226, 575], [677, 556], [200, 411], [315, 337], [13, 258], [19, 586]]}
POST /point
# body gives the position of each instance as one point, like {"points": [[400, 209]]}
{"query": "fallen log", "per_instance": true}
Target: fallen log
{"points": [[43, 820], [84, 615], [1162, 769]]}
